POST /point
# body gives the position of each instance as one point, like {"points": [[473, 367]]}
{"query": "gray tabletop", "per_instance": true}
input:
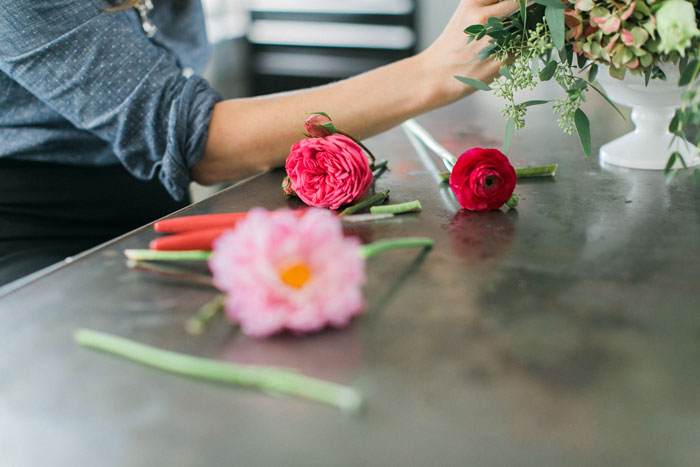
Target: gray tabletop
{"points": [[566, 333]]}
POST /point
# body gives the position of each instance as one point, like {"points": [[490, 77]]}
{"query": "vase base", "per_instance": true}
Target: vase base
{"points": [[635, 151]]}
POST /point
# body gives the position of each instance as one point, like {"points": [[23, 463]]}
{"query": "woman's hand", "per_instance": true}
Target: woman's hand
{"points": [[450, 55]]}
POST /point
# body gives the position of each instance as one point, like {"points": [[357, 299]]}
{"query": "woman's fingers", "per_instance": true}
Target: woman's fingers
{"points": [[502, 8]]}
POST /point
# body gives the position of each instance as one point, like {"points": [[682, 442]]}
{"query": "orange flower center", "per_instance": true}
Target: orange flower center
{"points": [[296, 275]]}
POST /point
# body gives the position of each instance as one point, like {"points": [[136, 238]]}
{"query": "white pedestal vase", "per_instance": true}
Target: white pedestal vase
{"points": [[649, 145]]}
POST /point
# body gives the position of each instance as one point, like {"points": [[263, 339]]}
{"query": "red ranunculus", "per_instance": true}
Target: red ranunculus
{"points": [[328, 172], [483, 179]]}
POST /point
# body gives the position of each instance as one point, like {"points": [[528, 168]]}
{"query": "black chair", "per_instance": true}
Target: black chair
{"points": [[297, 44]]}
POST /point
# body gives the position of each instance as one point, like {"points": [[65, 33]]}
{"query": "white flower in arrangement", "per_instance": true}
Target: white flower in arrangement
{"points": [[675, 23]]}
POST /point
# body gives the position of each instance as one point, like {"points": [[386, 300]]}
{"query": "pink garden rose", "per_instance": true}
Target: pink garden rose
{"points": [[282, 271], [328, 172], [483, 179]]}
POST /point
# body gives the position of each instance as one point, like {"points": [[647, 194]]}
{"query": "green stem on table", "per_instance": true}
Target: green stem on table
{"points": [[513, 202], [199, 322], [158, 255], [526, 172], [541, 171], [381, 165], [372, 200], [170, 272], [380, 246], [411, 206], [269, 379]]}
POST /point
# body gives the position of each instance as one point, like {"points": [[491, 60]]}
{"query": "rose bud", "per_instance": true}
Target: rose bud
{"points": [[483, 179], [328, 172], [314, 126]]}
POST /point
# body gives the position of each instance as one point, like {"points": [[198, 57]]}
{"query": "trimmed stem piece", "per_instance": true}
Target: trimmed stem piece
{"points": [[170, 272], [268, 379], [157, 255], [381, 246], [411, 206], [199, 322], [541, 171], [372, 200]]}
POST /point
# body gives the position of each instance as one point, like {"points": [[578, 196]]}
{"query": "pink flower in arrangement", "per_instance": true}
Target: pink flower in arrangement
{"points": [[282, 271], [328, 172]]}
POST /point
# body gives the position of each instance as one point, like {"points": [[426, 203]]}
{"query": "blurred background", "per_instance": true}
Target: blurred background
{"points": [[264, 46]]}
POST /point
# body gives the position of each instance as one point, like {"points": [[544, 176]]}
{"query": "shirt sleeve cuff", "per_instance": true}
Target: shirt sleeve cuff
{"points": [[188, 128]]}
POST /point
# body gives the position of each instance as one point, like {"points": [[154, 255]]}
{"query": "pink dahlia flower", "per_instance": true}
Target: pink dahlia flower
{"points": [[282, 271], [328, 172]]}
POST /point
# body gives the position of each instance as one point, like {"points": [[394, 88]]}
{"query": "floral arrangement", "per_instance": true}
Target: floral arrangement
{"points": [[567, 40]]}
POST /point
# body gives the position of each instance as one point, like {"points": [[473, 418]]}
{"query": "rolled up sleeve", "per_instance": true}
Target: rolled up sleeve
{"points": [[101, 73]]}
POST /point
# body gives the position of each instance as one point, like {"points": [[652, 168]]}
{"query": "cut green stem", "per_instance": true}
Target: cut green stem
{"points": [[170, 272], [199, 322], [381, 165], [541, 171], [269, 379], [374, 248], [157, 255], [526, 172], [371, 201], [411, 206]]}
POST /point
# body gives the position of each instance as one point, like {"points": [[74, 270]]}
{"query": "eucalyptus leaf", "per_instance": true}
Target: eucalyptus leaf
{"points": [[689, 73], [607, 99], [593, 73], [508, 139], [671, 162], [523, 11], [583, 128], [551, 3], [555, 22], [505, 71], [474, 29], [533, 102], [475, 83], [548, 71]]}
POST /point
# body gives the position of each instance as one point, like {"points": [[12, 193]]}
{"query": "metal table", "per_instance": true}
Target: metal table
{"points": [[566, 333]]}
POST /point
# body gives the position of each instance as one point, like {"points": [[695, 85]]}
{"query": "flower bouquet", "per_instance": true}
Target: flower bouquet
{"points": [[569, 40]]}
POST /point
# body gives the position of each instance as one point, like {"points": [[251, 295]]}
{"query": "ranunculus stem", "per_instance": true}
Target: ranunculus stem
{"points": [[513, 202], [526, 172], [541, 171], [371, 201], [199, 322], [170, 272], [268, 379], [411, 206], [157, 255], [381, 246]]}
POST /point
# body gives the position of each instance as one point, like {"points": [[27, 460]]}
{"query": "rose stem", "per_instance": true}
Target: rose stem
{"points": [[268, 379], [411, 206], [157, 255], [381, 246], [381, 165], [444, 177], [170, 272], [199, 322], [381, 196]]}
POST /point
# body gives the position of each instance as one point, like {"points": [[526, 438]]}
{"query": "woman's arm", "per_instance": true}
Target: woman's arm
{"points": [[254, 134]]}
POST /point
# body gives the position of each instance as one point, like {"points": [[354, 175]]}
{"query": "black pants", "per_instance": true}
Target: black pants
{"points": [[51, 211]]}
